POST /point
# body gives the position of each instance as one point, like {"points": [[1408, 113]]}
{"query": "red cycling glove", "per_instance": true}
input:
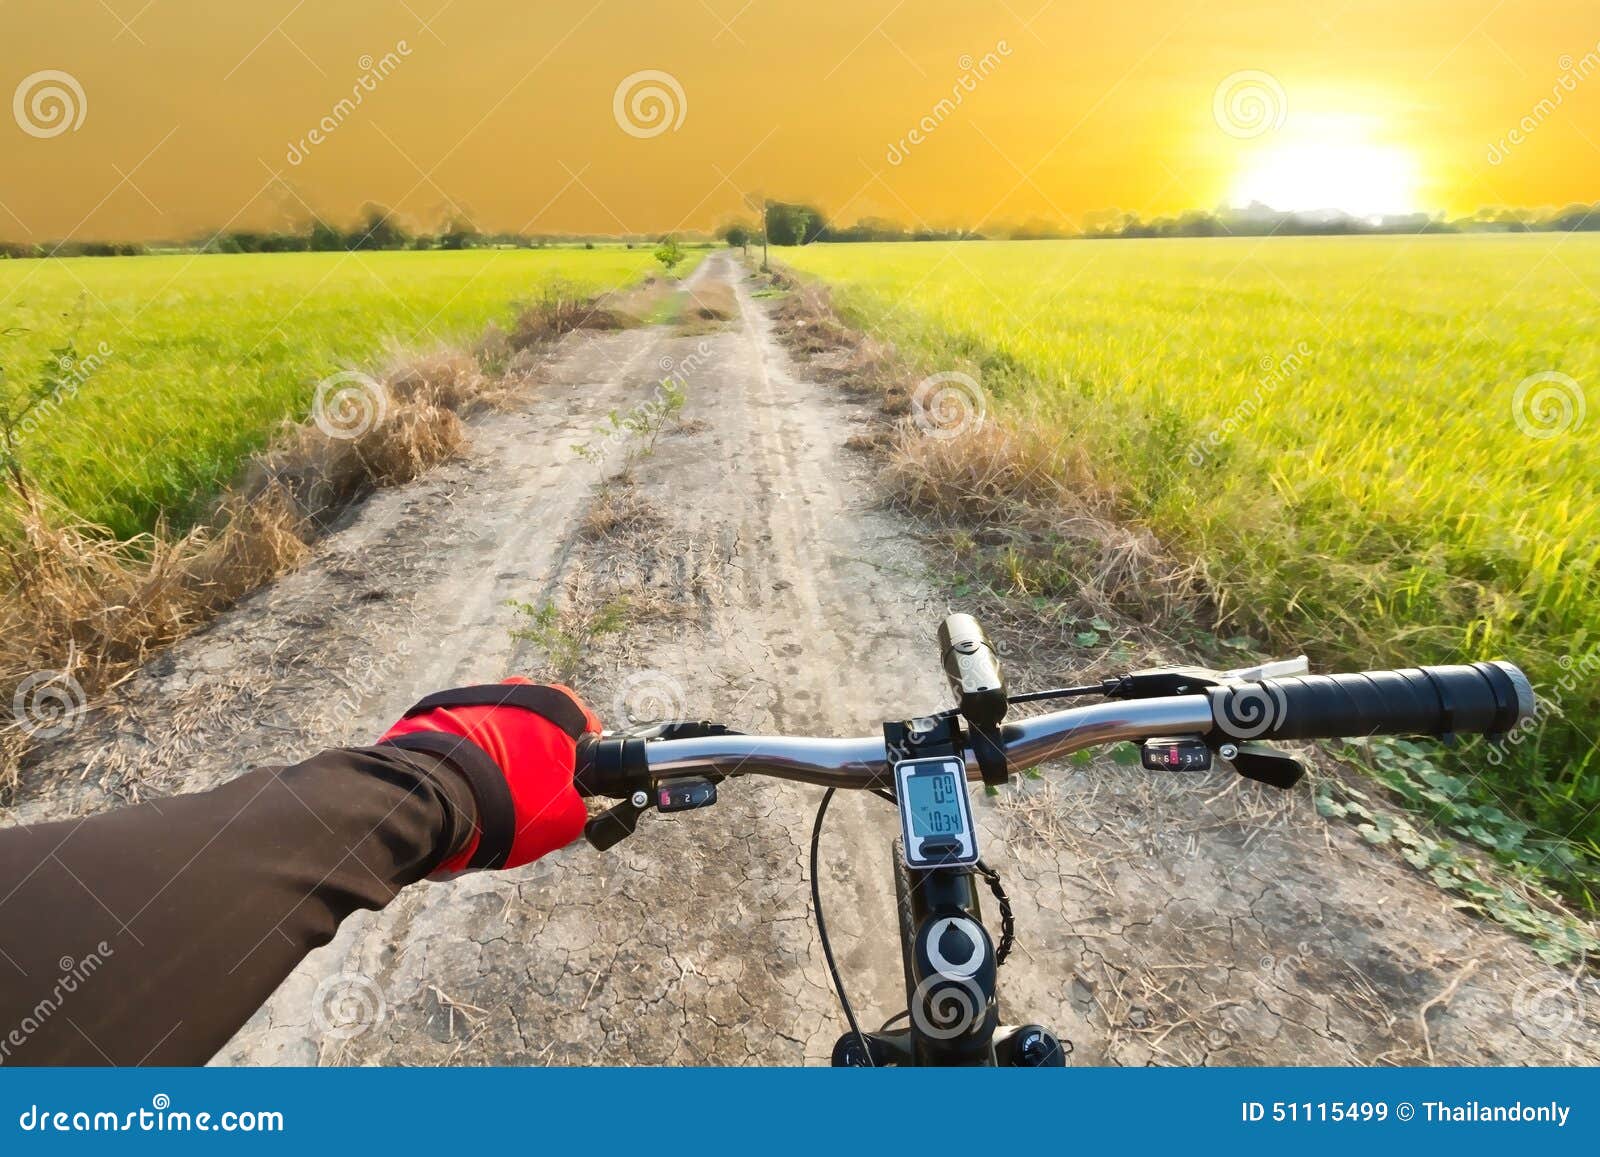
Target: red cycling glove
{"points": [[516, 744]]}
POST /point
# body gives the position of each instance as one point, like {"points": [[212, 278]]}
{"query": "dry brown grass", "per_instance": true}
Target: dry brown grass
{"points": [[843, 356], [809, 324], [81, 610], [87, 609], [872, 442], [319, 475], [1026, 500], [560, 310], [1034, 516], [619, 510], [557, 312], [708, 306]]}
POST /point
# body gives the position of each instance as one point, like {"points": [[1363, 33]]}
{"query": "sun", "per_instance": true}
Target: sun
{"points": [[1331, 166]]}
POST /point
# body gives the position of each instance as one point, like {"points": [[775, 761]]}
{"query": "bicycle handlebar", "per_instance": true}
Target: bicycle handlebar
{"points": [[1486, 698]]}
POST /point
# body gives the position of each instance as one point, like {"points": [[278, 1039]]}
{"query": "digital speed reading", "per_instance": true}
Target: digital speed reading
{"points": [[935, 815], [932, 800]]}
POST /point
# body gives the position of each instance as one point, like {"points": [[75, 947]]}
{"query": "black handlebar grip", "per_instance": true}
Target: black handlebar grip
{"points": [[1483, 698], [602, 766]]}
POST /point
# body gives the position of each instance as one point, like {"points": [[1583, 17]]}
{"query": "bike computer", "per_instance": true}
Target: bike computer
{"points": [[935, 816]]}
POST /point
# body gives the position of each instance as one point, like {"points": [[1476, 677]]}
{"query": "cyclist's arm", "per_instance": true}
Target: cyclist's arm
{"points": [[149, 935]]}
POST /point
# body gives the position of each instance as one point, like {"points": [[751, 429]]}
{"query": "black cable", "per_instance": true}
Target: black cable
{"points": [[897, 1016], [1008, 922], [1057, 693], [822, 929]]}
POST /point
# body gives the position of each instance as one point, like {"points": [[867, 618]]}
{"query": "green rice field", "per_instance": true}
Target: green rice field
{"points": [[1382, 450]]}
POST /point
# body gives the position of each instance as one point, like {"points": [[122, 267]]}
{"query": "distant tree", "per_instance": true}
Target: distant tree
{"points": [[325, 238], [1039, 229], [459, 233], [379, 229], [739, 234], [669, 253], [789, 224], [1576, 218]]}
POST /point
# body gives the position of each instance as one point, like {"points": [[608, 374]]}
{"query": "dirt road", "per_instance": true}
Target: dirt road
{"points": [[1158, 920]]}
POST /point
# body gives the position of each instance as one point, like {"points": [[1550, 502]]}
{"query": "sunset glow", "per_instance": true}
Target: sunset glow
{"points": [[1331, 167], [642, 116]]}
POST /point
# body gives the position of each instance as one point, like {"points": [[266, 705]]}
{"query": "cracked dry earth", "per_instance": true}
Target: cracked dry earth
{"points": [[1159, 920]]}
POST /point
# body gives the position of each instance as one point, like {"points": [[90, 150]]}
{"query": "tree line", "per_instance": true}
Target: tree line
{"points": [[377, 228], [798, 223], [803, 224]]}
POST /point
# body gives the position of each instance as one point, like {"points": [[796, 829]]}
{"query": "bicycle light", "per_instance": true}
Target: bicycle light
{"points": [[973, 668]]}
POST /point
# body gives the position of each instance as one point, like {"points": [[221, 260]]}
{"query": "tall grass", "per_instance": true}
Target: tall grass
{"points": [[1336, 429], [183, 366]]}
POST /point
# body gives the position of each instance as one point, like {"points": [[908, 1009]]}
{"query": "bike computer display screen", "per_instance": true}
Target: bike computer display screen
{"points": [[935, 815]]}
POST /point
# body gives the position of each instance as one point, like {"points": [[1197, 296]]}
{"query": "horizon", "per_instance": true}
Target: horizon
{"points": [[1534, 216], [632, 117]]}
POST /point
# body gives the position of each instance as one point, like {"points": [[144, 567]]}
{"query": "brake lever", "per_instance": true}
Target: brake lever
{"points": [[621, 820], [1264, 764], [1276, 669], [616, 823]]}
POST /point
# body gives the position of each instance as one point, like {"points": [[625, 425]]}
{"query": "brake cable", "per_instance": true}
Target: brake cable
{"points": [[1062, 692], [822, 929]]}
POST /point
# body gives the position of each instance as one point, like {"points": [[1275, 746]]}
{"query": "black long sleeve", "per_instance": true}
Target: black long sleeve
{"points": [[149, 935]]}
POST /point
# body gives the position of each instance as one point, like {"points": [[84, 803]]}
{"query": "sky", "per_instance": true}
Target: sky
{"points": [[146, 119]]}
